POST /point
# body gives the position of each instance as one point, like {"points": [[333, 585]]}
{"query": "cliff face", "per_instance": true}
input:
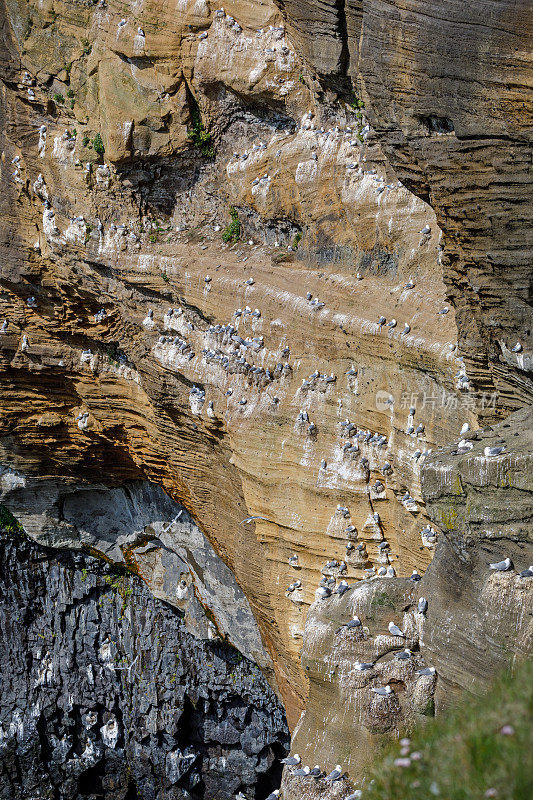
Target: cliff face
{"points": [[448, 98], [107, 694], [476, 622], [226, 294]]}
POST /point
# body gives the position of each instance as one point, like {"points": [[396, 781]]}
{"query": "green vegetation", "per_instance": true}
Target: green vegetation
{"points": [[98, 145], [480, 749], [85, 141], [71, 93], [356, 104], [198, 134], [86, 47], [233, 231], [9, 523], [297, 239], [119, 583], [59, 99]]}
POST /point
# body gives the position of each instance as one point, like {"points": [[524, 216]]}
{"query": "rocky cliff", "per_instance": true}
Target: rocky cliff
{"points": [[259, 264], [108, 695]]}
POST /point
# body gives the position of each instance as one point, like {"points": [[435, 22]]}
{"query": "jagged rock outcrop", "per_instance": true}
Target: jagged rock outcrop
{"points": [[105, 693]]}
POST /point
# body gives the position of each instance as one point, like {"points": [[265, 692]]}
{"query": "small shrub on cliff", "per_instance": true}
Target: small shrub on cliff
{"points": [[233, 232], [98, 145], [198, 134], [59, 99]]}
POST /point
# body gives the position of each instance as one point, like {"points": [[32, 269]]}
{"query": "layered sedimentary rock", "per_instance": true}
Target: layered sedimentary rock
{"points": [[105, 693], [475, 621], [449, 97], [217, 280], [129, 321]]}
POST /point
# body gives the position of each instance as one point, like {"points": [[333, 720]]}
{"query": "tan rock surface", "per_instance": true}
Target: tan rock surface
{"points": [[101, 399]]}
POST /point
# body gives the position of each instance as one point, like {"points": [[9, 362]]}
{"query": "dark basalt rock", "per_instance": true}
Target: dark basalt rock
{"points": [[105, 694]]}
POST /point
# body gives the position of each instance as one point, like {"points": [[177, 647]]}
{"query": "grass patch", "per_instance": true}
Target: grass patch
{"points": [[233, 231], [59, 99], [464, 755]]}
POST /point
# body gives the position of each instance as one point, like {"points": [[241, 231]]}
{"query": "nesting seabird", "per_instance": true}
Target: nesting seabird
{"points": [[422, 605], [395, 630], [291, 761], [362, 666], [425, 671], [342, 588], [502, 566], [316, 772], [404, 655], [273, 795], [302, 772], [335, 774], [527, 573], [350, 625], [415, 576], [517, 348], [382, 691], [494, 451]]}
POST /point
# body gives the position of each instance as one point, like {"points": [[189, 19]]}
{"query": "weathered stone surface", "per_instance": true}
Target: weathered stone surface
{"points": [[480, 621], [97, 400], [138, 526], [105, 693], [109, 402], [454, 118]]}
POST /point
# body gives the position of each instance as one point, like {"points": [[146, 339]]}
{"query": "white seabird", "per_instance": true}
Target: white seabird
{"points": [[382, 691], [422, 605], [424, 671], [494, 451], [526, 573], [395, 630], [502, 566], [335, 774], [292, 761], [302, 772]]}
